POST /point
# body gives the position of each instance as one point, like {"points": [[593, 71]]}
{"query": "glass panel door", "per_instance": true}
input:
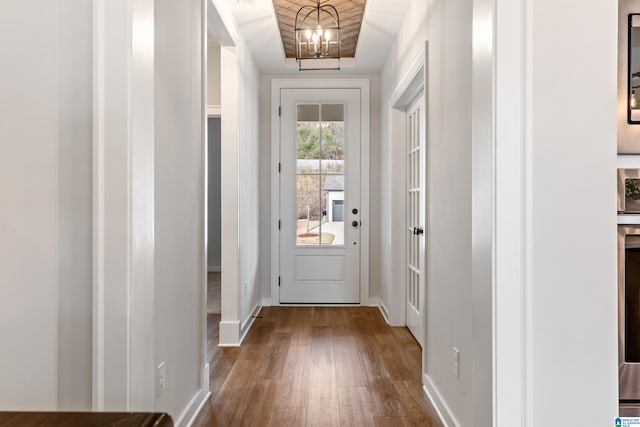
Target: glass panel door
{"points": [[320, 196]]}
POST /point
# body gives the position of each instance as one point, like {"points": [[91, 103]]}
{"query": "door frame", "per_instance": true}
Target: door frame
{"points": [[416, 96], [411, 85], [276, 86]]}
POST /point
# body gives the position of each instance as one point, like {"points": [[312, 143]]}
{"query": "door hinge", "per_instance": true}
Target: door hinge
{"points": [[279, 224], [279, 111], [278, 281]]}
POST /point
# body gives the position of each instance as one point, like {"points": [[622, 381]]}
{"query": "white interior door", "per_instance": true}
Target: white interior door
{"points": [[320, 196], [416, 239]]}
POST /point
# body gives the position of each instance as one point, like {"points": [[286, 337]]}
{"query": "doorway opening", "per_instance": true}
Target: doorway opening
{"points": [[214, 273]]}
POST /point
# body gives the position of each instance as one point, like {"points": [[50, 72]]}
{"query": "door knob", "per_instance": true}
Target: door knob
{"points": [[354, 223], [354, 211]]}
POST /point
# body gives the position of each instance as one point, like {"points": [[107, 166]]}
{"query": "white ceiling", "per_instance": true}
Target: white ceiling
{"points": [[256, 21]]}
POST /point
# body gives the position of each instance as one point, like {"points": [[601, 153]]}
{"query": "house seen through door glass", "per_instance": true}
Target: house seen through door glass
{"points": [[320, 170]]}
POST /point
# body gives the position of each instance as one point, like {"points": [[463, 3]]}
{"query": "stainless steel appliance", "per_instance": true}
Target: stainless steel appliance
{"points": [[629, 311]]}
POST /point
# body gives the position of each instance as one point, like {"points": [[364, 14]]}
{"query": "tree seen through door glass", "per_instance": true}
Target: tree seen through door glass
{"points": [[320, 174]]}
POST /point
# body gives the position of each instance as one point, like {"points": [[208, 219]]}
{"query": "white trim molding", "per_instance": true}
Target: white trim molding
{"points": [[248, 322], [444, 412], [214, 111], [507, 143], [123, 166], [229, 333], [189, 415], [377, 302], [99, 179], [276, 86], [230, 199], [232, 333], [410, 86]]}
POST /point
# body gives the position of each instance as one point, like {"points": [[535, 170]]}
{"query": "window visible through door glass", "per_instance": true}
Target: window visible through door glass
{"points": [[320, 174]]}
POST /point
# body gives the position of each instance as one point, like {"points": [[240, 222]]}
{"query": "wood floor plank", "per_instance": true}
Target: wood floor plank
{"points": [[287, 416], [373, 366], [262, 403], [385, 399], [391, 422], [418, 410], [322, 398], [347, 362], [416, 391], [296, 370], [276, 354], [316, 366], [355, 406], [321, 346]]}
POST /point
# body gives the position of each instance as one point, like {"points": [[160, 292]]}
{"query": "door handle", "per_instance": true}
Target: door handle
{"points": [[418, 230]]}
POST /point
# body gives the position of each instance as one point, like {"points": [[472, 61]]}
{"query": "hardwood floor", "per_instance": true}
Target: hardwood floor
{"points": [[317, 366]]}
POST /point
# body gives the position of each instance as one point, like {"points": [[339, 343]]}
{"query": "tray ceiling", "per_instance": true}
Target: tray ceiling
{"points": [[350, 11]]}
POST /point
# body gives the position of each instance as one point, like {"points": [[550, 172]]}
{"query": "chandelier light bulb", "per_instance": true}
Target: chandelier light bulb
{"points": [[327, 35], [308, 34], [314, 37], [319, 31]]}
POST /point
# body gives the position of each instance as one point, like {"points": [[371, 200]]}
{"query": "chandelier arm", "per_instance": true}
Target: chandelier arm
{"points": [[303, 19], [335, 17]]}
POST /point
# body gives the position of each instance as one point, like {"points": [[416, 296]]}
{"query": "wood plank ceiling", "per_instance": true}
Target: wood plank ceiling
{"points": [[350, 11]]}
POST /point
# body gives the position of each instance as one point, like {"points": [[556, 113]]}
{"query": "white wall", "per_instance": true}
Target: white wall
{"points": [[240, 214], [249, 184], [571, 290], [179, 231], [213, 75], [265, 175], [45, 221], [213, 99], [447, 27], [74, 205]]}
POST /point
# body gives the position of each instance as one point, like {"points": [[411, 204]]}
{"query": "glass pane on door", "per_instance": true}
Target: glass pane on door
{"points": [[320, 175]]}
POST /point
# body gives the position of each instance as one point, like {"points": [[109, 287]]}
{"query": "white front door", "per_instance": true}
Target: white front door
{"points": [[416, 239], [320, 196]]}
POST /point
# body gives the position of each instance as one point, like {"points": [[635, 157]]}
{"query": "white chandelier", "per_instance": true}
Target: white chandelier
{"points": [[318, 45]]}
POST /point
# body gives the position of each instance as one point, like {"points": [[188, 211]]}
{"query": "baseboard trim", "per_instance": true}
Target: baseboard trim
{"points": [[377, 302], [204, 381], [229, 333], [443, 411], [248, 322], [214, 269], [190, 414], [232, 333]]}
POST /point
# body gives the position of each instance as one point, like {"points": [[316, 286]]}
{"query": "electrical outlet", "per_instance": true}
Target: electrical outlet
{"points": [[455, 365], [161, 382]]}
